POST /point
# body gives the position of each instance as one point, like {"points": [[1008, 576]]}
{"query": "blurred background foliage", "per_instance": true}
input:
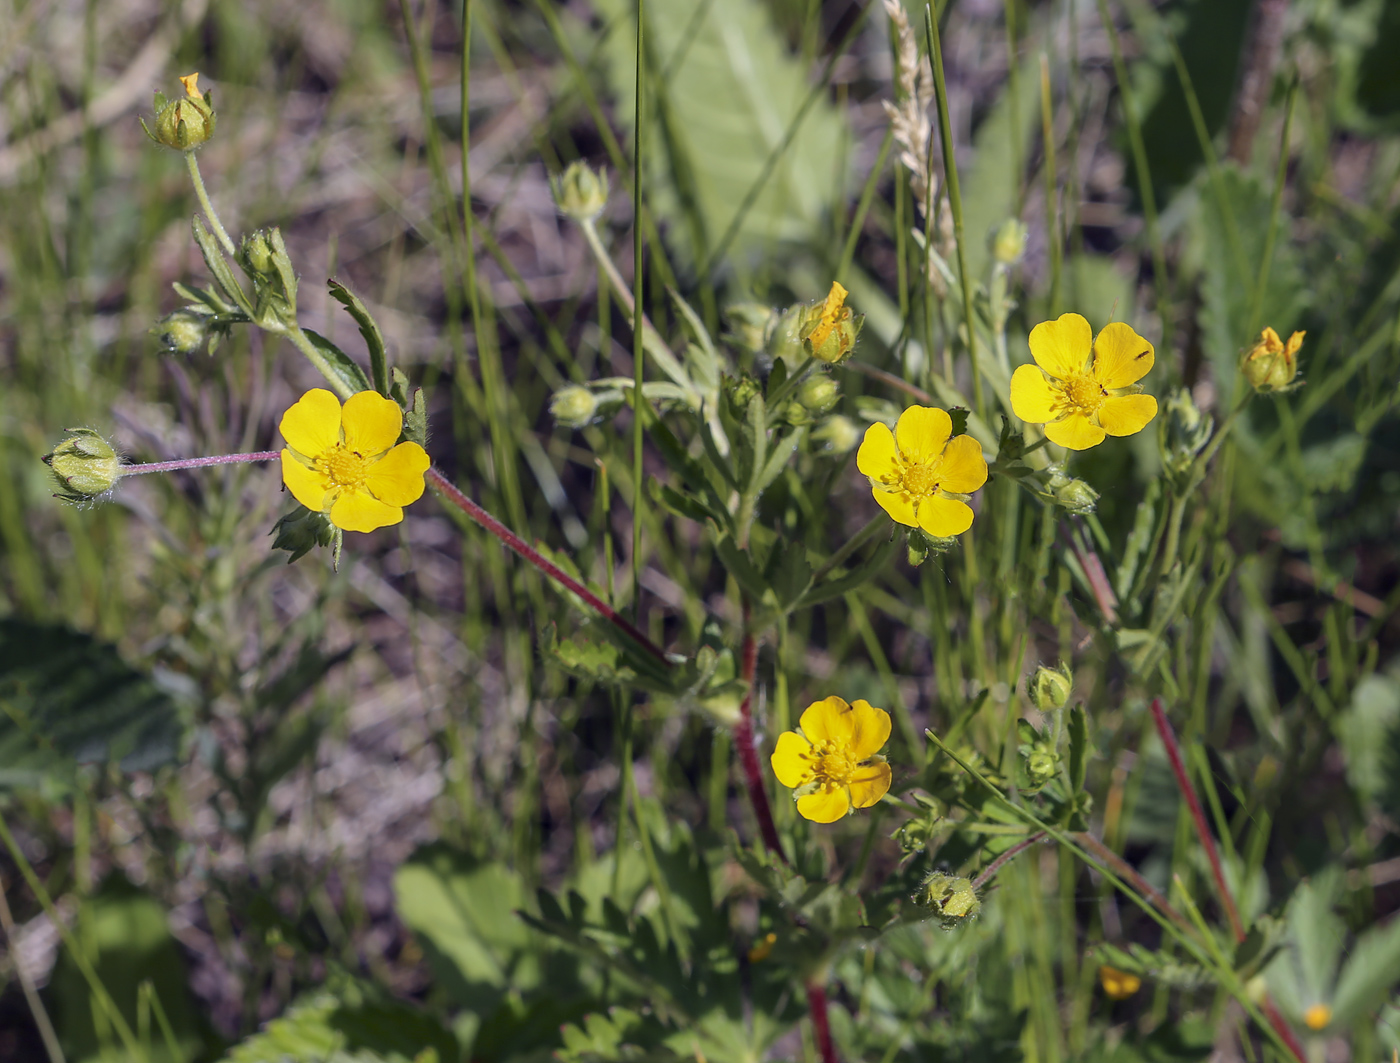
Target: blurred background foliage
{"points": [[305, 806]]}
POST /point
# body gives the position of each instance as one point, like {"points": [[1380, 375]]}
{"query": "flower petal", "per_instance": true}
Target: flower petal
{"points": [[789, 760], [870, 783], [372, 423], [944, 516], [1076, 432], [362, 512], [1121, 356], [871, 731], [898, 505], [964, 469], [1033, 398], [397, 477], [307, 486], [824, 806], [1062, 347], [1122, 415], [829, 720], [877, 457], [311, 425], [922, 432]]}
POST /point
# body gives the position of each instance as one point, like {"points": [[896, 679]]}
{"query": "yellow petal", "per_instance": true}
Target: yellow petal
{"points": [[397, 477], [870, 783], [1295, 342], [1062, 347], [1121, 356], [1076, 432], [824, 806], [877, 457], [964, 469], [944, 516], [789, 760], [360, 511], [922, 432], [871, 731], [1033, 398], [1122, 415], [898, 505], [311, 425], [372, 423], [829, 720], [307, 485]]}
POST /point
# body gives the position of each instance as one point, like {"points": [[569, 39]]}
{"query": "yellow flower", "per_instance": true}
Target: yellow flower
{"points": [[1118, 985], [191, 83], [832, 765], [829, 332], [344, 462], [917, 472], [1270, 364], [1318, 1016], [1084, 389]]}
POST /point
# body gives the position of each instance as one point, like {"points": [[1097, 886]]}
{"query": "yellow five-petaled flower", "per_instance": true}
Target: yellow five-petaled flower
{"points": [[832, 766], [1084, 389], [343, 462], [917, 470]]}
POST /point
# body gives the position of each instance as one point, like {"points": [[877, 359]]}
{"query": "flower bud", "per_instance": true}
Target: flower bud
{"points": [[85, 465], [1075, 495], [1183, 432], [1271, 364], [184, 331], [837, 434], [299, 531], [818, 393], [256, 253], [951, 897], [750, 325], [740, 391], [580, 191], [1050, 688], [1010, 241], [829, 330], [573, 406], [185, 122]]}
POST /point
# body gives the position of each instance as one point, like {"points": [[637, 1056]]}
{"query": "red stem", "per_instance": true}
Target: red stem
{"points": [[821, 1025], [445, 489], [1126, 871], [1005, 858], [1094, 572], [1285, 1032], [1164, 729], [748, 755], [199, 463]]}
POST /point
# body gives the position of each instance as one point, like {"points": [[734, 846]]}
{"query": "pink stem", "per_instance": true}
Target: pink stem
{"points": [[821, 1024], [1164, 729], [1005, 858], [1094, 572], [1285, 1032], [445, 489], [748, 756], [199, 463], [1126, 871]]}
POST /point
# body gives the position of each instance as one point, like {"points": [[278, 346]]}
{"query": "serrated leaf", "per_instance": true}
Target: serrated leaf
{"points": [[369, 329]]}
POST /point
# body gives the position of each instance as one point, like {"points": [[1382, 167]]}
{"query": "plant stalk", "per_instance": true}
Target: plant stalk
{"points": [[748, 756]]}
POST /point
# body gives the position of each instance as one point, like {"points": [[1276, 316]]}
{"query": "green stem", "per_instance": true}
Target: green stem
{"points": [[303, 343], [638, 337], [224, 240], [1256, 304], [790, 385]]}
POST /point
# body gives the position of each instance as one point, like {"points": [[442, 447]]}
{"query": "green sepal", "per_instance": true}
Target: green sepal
{"points": [[415, 412]]}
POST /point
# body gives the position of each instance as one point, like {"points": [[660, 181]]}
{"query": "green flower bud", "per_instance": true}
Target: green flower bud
{"points": [[818, 393], [1075, 495], [837, 434], [256, 253], [302, 530], [185, 122], [740, 391], [1183, 432], [85, 465], [573, 406], [784, 336], [750, 325], [829, 329], [184, 331], [580, 191], [1050, 688], [1010, 242], [1038, 761], [951, 897]]}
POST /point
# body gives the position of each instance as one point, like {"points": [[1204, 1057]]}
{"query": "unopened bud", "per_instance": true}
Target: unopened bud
{"points": [[951, 897], [1050, 688], [302, 530], [829, 329], [1075, 495], [1271, 364], [85, 465], [1010, 241], [1183, 431], [740, 391], [184, 331], [837, 434], [580, 191], [573, 406], [818, 393], [184, 122], [256, 252], [750, 325]]}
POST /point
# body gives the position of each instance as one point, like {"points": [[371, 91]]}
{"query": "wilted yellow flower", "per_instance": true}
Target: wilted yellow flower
{"points": [[917, 472], [185, 122], [1319, 1015], [1084, 389], [1118, 985], [1271, 364], [829, 333], [345, 463], [832, 765]]}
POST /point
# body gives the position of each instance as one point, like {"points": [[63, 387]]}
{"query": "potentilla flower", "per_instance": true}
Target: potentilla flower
{"points": [[1271, 364], [1118, 985], [1084, 389], [921, 476], [832, 766], [343, 462]]}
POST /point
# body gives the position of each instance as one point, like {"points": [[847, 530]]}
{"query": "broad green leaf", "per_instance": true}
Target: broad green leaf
{"points": [[1364, 730], [1371, 969], [1303, 974], [68, 699], [733, 91]]}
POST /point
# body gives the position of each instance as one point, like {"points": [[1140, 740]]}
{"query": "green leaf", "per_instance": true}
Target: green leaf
{"points": [[68, 699], [349, 373], [867, 570], [1370, 971], [741, 567], [1364, 731], [369, 329], [732, 93], [219, 267]]}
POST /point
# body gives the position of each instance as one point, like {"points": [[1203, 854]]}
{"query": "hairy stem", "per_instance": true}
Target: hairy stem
{"points": [[199, 463], [748, 756], [225, 241]]}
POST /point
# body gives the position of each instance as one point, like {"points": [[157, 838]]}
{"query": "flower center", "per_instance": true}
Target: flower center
{"points": [[834, 766], [343, 466], [921, 479], [1084, 393]]}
